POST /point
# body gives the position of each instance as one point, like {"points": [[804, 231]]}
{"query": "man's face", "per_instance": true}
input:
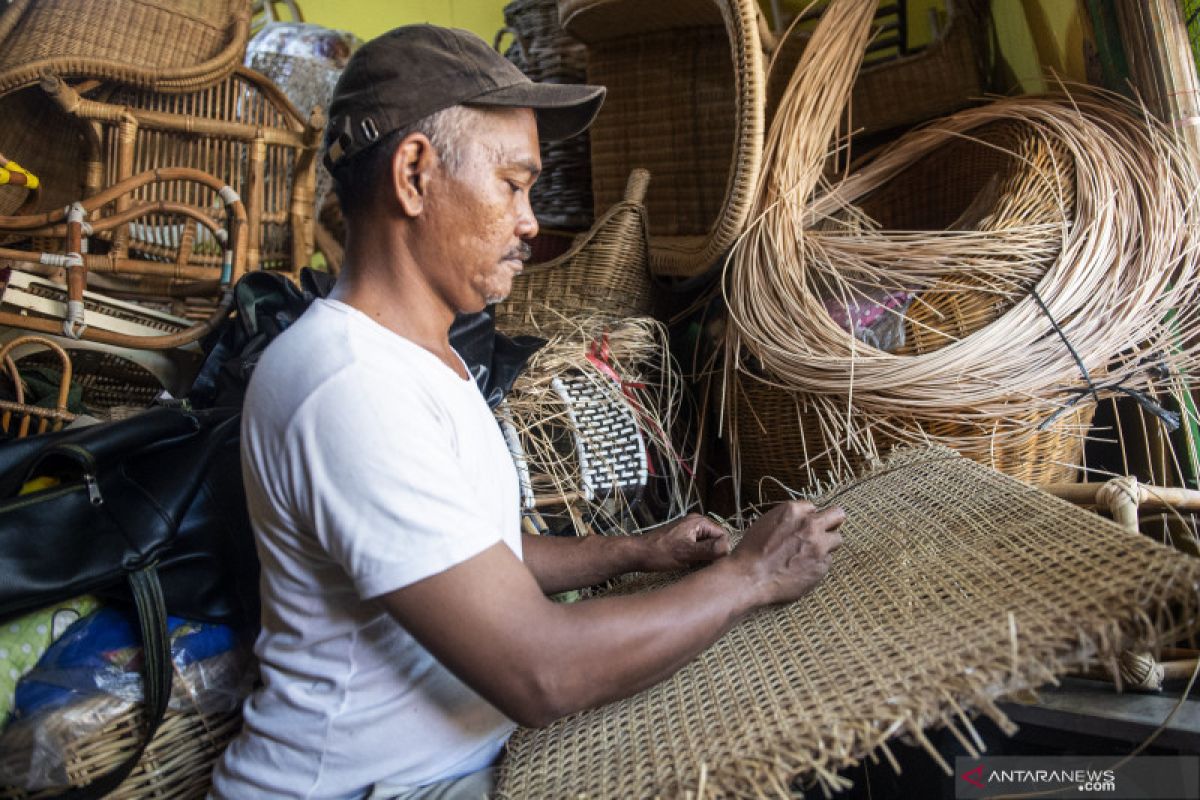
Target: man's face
{"points": [[479, 217]]}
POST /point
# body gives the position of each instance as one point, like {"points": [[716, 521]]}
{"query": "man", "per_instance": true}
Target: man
{"points": [[405, 618]]}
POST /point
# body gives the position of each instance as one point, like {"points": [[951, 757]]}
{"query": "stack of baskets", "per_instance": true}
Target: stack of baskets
{"points": [[562, 197], [781, 439]]}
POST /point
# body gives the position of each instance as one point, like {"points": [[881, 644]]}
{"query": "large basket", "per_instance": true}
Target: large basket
{"points": [[604, 273], [172, 45], [177, 764], [686, 99], [992, 182], [942, 78], [562, 196]]}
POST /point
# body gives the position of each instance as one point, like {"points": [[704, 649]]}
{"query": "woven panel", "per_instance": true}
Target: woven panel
{"points": [[932, 607], [679, 124]]}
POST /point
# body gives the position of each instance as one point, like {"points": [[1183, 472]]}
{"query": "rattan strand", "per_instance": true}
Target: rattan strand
{"points": [[955, 587]]}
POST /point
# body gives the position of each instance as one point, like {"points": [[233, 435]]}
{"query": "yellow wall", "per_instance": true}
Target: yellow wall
{"points": [[369, 18]]}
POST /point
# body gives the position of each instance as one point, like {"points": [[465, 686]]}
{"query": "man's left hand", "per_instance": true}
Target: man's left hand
{"points": [[684, 543]]}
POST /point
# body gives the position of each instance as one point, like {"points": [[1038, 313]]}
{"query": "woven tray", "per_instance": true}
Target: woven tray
{"points": [[686, 99], [172, 45], [604, 273]]}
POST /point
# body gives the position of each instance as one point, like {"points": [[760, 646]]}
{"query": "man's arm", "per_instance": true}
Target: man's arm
{"points": [[488, 621], [559, 563]]}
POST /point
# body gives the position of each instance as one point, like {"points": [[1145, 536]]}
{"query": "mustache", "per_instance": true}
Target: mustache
{"points": [[522, 252]]}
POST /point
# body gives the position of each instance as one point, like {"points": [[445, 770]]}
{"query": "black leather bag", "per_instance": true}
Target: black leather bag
{"points": [[149, 511]]}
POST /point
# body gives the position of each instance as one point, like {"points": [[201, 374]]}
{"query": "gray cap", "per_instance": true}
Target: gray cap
{"points": [[411, 72]]}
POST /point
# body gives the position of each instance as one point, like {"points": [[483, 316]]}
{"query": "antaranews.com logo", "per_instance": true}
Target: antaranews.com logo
{"points": [[1143, 778]]}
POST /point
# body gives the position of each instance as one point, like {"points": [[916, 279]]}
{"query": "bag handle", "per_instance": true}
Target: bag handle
{"points": [[157, 673]]}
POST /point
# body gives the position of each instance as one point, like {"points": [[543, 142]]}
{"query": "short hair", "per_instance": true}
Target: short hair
{"points": [[356, 179]]}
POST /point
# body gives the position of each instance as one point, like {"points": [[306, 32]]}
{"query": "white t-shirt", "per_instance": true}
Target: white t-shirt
{"points": [[369, 465]]}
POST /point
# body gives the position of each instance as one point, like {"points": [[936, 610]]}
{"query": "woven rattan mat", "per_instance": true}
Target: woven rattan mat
{"points": [[955, 586]]}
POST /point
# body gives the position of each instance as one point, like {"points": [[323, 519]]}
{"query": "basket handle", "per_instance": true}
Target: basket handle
{"points": [[517, 37], [635, 188]]}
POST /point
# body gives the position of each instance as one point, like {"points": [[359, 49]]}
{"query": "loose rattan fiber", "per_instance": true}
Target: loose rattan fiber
{"points": [[955, 587], [686, 98], [940, 79], [172, 45], [995, 180], [604, 273]]}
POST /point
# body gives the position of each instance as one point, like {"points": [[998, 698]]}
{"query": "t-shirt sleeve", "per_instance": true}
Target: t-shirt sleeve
{"points": [[383, 486]]}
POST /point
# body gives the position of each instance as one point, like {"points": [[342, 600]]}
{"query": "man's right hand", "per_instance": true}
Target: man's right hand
{"points": [[786, 551]]}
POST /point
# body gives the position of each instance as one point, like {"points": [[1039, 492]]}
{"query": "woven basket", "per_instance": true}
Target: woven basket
{"points": [[779, 432], [243, 130], [605, 272], [686, 99], [172, 45], [177, 763], [943, 77], [562, 196]]}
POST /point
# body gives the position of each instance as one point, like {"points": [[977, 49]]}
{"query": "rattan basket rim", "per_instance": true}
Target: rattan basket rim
{"points": [[196, 76]]}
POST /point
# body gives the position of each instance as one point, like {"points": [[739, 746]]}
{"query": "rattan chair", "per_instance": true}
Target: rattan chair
{"points": [[243, 130], [686, 100]]}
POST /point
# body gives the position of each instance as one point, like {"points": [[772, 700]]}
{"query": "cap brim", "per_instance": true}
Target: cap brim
{"points": [[563, 109]]}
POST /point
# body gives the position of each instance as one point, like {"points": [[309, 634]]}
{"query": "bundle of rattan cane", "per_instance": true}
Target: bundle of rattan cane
{"points": [[628, 365], [1105, 314]]}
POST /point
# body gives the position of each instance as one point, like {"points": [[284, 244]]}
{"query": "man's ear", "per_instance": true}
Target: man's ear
{"points": [[413, 164]]}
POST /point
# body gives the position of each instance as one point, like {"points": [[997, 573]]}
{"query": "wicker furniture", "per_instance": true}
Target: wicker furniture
{"points": [[242, 129], [172, 45], [686, 99], [605, 272], [64, 234], [562, 196]]}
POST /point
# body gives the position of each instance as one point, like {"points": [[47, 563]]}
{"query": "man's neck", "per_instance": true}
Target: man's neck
{"points": [[381, 281]]}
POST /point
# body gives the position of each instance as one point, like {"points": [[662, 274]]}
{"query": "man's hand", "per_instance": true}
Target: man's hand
{"points": [[686, 542], [787, 550]]}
